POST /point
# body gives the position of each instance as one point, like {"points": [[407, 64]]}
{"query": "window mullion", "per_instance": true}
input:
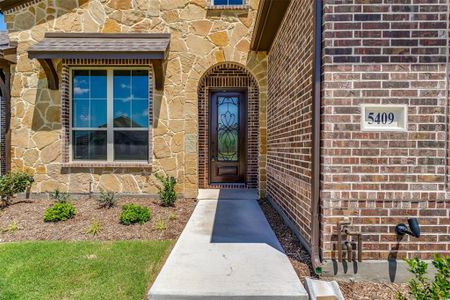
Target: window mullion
{"points": [[110, 103]]}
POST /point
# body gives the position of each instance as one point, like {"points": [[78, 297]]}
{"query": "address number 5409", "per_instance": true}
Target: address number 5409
{"points": [[380, 118]]}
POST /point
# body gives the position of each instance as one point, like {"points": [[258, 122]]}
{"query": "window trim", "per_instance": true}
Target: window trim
{"points": [[110, 119], [213, 2]]}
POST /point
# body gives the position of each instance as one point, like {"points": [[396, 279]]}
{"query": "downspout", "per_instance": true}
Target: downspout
{"points": [[316, 103]]}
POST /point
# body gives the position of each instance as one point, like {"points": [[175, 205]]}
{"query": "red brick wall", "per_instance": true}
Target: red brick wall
{"points": [[228, 75], [386, 52], [289, 115]]}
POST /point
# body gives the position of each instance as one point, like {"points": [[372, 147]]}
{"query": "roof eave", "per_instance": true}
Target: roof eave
{"points": [[95, 55], [8, 4], [268, 20], [45, 54]]}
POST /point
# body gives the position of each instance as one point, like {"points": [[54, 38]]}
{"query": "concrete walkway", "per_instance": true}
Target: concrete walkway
{"points": [[227, 251]]}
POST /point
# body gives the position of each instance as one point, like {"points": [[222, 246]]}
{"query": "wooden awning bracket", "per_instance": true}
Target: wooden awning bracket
{"points": [[158, 71], [51, 73]]}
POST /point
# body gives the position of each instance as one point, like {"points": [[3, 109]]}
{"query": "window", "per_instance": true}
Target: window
{"points": [[110, 115], [228, 2]]}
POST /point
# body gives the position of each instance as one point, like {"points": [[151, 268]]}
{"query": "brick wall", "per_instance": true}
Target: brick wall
{"points": [[229, 75], [289, 115], [386, 52]]}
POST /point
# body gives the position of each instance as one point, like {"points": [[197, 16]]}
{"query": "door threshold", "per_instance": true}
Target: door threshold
{"points": [[227, 186]]}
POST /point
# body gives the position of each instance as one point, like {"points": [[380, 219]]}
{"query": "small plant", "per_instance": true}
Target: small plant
{"points": [[11, 228], [167, 194], [132, 213], [172, 217], [106, 199], [13, 183], [421, 288], [94, 228], [60, 211], [60, 196], [160, 225]]}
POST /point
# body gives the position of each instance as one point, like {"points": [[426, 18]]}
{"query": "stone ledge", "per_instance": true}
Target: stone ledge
{"points": [[106, 165], [384, 271], [228, 7]]}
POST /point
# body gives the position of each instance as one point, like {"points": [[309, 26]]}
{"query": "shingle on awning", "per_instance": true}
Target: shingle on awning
{"points": [[152, 46], [102, 46]]}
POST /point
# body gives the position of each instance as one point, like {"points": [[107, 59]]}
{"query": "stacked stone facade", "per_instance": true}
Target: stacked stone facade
{"points": [[201, 37]]}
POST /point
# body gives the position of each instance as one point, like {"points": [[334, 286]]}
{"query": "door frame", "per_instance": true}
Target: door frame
{"points": [[243, 140]]}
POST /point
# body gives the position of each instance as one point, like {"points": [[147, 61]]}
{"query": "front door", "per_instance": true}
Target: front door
{"points": [[227, 137]]}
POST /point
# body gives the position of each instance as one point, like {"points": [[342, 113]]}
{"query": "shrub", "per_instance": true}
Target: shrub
{"points": [[60, 196], [421, 288], [172, 217], [132, 213], [11, 228], [60, 211], [167, 194], [94, 228], [106, 199], [160, 225], [13, 183]]}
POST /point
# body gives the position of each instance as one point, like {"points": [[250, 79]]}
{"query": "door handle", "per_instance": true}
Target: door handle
{"points": [[213, 159]]}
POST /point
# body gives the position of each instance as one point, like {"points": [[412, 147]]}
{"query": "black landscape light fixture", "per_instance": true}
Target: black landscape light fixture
{"points": [[413, 230]]}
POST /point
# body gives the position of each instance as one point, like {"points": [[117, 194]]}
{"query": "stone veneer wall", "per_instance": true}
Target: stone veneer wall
{"points": [[386, 52], [200, 38], [289, 115]]}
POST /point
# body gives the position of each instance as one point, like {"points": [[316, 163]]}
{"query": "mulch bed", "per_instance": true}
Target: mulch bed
{"points": [[371, 290], [27, 216], [301, 261]]}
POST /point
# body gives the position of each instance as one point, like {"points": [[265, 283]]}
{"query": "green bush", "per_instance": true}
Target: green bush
{"points": [[106, 199], [421, 288], [60, 196], [60, 211], [132, 213], [13, 183], [167, 194]]}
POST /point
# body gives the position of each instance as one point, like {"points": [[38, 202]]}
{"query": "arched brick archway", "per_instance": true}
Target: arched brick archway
{"points": [[222, 76]]}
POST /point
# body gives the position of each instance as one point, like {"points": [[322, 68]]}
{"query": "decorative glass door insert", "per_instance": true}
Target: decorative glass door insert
{"points": [[228, 126], [228, 129]]}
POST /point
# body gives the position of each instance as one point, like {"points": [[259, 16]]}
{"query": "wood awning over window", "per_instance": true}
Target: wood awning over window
{"points": [[153, 46]]}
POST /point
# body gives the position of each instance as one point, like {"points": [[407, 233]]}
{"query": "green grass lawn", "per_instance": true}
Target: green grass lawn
{"points": [[79, 270]]}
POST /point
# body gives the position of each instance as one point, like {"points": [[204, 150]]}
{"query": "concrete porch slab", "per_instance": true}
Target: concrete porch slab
{"points": [[227, 194], [227, 251]]}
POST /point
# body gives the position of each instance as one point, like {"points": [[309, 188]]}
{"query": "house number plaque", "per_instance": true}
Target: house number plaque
{"points": [[376, 117]]}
